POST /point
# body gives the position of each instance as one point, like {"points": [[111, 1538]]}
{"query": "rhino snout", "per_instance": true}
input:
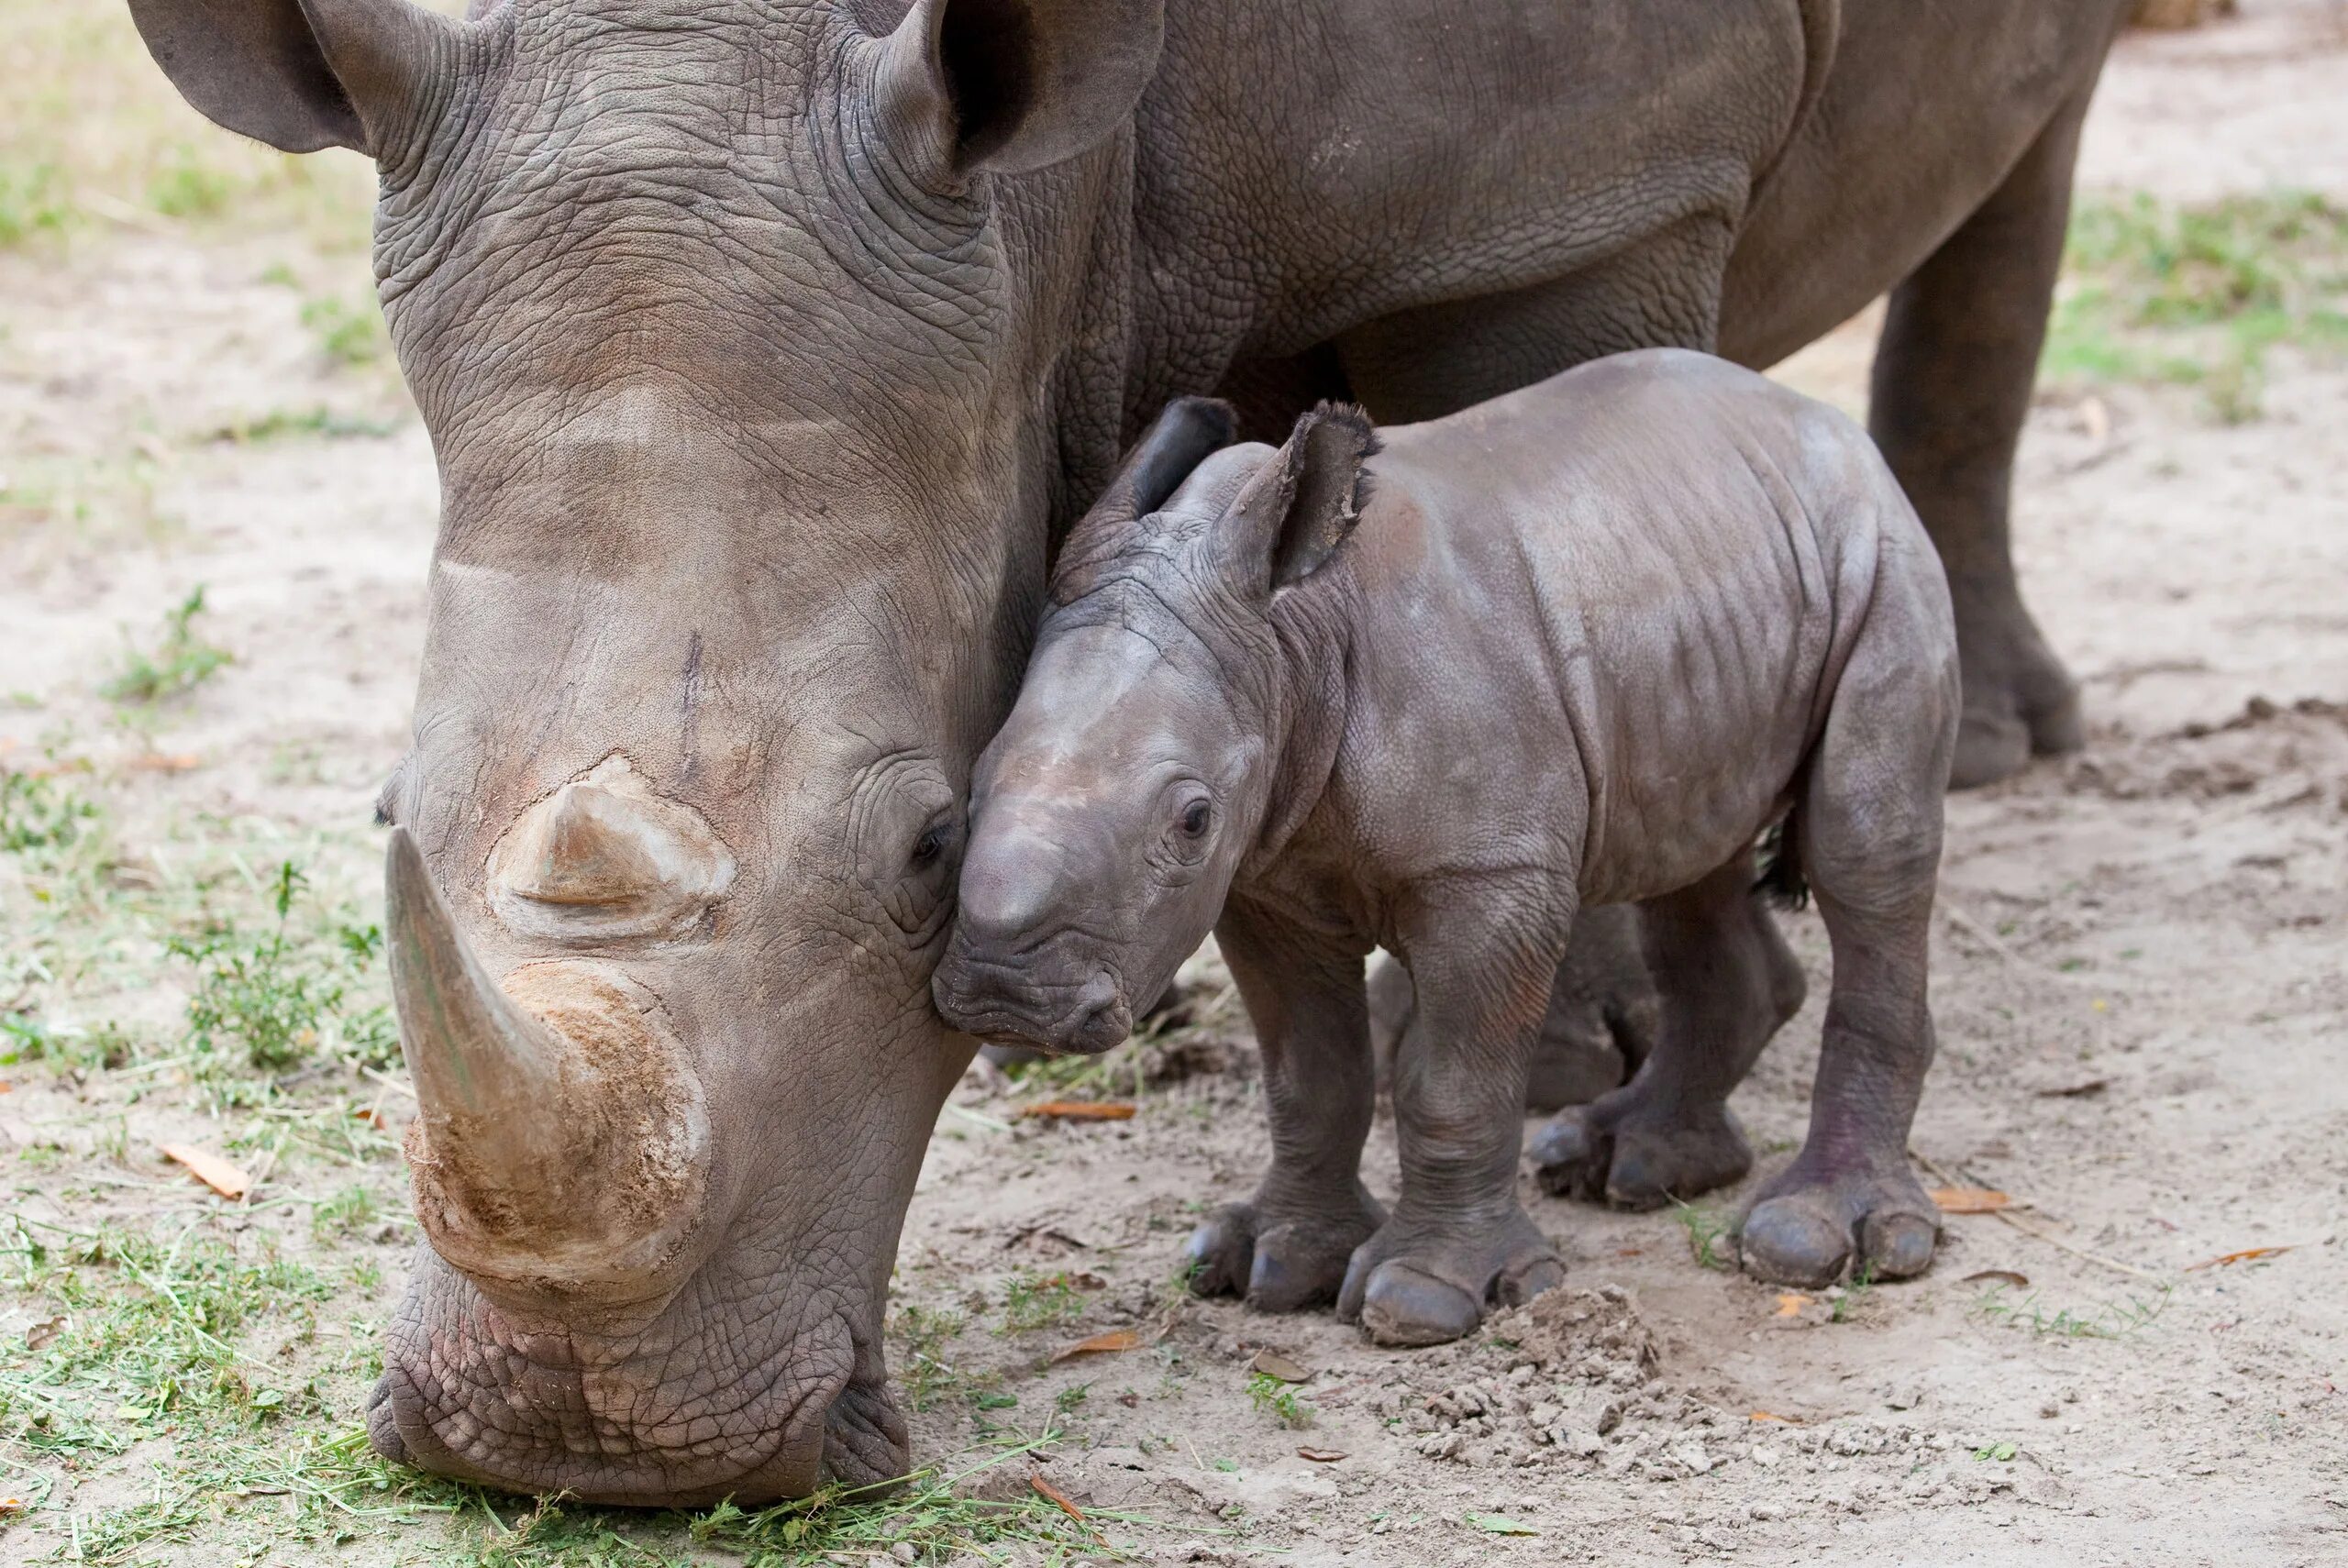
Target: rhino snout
{"points": [[1020, 1003]]}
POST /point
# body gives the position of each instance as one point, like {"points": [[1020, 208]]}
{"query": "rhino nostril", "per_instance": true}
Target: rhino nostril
{"points": [[604, 856]]}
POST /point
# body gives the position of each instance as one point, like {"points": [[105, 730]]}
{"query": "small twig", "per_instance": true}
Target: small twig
{"points": [[390, 1082], [2028, 1230]]}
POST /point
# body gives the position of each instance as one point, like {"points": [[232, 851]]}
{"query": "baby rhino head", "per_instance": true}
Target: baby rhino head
{"points": [[1110, 814]]}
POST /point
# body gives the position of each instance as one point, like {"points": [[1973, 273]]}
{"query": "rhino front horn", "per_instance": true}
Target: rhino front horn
{"points": [[561, 1142]]}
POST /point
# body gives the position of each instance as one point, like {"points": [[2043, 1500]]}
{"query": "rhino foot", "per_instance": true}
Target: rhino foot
{"points": [[1619, 1150], [1427, 1282], [1282, 1257], [1809, 1225], [2020, 701]]}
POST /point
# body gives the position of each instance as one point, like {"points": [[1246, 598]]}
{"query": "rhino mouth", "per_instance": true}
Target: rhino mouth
{"points": [[656, 1422]]}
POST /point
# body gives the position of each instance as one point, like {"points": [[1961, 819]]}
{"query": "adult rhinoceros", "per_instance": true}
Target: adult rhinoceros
{"points": [[766, 345]]}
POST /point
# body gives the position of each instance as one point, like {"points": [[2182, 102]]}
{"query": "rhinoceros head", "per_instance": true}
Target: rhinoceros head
{"points": [[758, 340]]}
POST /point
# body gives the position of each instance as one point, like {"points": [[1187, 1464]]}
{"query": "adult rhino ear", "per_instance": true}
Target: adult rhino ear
{"points": [[302, 74], [1012, 86], [1291, 516]]}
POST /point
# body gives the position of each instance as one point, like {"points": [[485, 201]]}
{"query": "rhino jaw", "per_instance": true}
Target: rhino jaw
{"points": [[562, 1143]]}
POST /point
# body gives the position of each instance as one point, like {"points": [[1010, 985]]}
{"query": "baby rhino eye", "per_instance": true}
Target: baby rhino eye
{"points": [[1196, 817]]}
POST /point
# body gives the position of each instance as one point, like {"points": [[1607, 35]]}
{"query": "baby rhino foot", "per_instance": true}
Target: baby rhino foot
{"points": [[1281, 1258], [1619, 1150], [1808, 1226], [1425, 1283]]}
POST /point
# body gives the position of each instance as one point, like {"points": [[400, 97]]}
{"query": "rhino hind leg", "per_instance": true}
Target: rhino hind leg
{"points": [[1601, 1024], [1726, 982], [1869, 822], [1952, 384]]}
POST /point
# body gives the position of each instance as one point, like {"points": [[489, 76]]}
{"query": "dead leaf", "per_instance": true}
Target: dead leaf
{"points": [[369, 1114], [1998, 1276], [227, 1179], [1083, 1109], [1969, 1199], [1791, 1303], [1271, 1364], [41, 1334], [2245, 1255], [1319, 1455], [162, 762], [1054, 1496], [1781, 1421], [2075, 1091], [11, 1506], [1115, 1340]]}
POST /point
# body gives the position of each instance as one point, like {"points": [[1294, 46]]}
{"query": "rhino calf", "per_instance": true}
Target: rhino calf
{"points": [[1576, 646]]}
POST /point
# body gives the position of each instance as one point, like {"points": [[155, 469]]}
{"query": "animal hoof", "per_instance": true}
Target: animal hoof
{"points": [[1298, 1265], [1405, 1307], [1570, 1154], [1805, 1229], [1221, 1252], [1786, 1241], [1619, 1153], [1896, 1245]]}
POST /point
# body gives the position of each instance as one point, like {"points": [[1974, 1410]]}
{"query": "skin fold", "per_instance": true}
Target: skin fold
{"points": [[1576, 647], [770, 347]]}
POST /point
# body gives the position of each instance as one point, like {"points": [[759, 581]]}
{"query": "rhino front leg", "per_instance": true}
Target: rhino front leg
{"points": [[1458, 1241], [1286, 1248], [1728, 983], [1952, 384]]}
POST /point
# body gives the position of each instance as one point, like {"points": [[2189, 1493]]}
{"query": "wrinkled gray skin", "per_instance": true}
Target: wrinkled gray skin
{"points": [[1586, 642], [1600, 1026], [767, 346]]}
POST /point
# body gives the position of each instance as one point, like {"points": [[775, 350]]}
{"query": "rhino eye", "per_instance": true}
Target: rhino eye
{"points": [[1196, 819], [931, 845]]}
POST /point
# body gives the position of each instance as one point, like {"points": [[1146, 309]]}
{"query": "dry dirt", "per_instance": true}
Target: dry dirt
{"points": [[2139, 979]]}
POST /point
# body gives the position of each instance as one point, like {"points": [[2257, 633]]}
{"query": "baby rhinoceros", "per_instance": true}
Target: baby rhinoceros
{"points": [[1580, 645]]}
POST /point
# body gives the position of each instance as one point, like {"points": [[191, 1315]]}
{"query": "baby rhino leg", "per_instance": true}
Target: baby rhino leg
{"points": [[1458, 1241], [1286, 1248], [1868, 831], [1727, 983]]}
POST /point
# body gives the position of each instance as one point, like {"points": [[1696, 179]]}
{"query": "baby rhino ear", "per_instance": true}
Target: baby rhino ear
{"points": [[1299, 508]]}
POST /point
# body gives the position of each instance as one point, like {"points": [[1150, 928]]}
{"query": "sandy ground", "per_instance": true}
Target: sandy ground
{"points": [[2139, 979]]}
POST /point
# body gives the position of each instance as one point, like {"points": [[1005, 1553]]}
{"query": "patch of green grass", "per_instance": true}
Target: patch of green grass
{"points": [[181, 662], [284, 423], [40, 814], [32, 203], [1844, 1306], [922, 1371], [1277, 1400], [140, 1336], [2197, 295], [348, 335], [278, 997], [350, 1210], [2099, 1320], [1030, 1303], [184, 185], [1707, 1229]]}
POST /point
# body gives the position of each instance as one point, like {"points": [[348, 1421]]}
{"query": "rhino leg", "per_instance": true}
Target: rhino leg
{"points": [[1867, 830], [1601, 1024], [1728, 983], [1458, 1241], [1285, 1249], [1952, 384]]}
